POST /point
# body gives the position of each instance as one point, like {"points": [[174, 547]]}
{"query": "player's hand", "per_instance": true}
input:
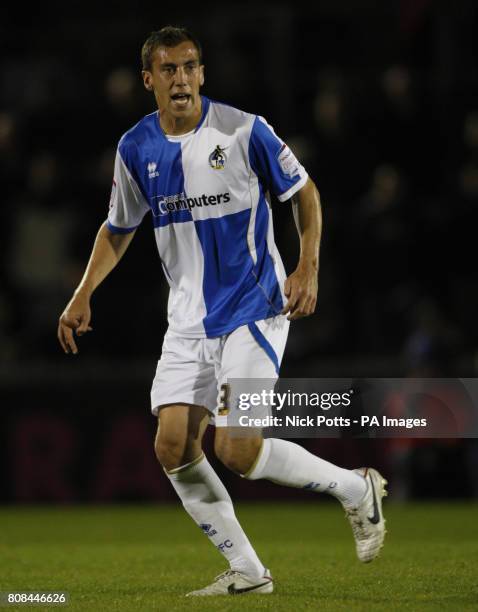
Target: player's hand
{"points": [[75, 318], [301, 292]]}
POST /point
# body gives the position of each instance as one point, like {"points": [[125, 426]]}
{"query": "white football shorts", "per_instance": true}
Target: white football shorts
{"points": [[196, 370]]}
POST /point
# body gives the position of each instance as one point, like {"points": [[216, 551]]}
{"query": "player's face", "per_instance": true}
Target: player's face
{"points": [[175, 78]]}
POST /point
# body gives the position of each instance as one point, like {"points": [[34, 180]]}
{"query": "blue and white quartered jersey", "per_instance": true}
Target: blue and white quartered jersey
{"points": [[208, 194]]}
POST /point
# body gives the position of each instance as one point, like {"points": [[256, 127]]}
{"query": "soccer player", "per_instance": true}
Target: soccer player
{"points": [[204, 170]]}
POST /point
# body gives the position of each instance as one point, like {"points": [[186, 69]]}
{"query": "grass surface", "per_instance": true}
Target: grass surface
{"points": [[146, 558]]}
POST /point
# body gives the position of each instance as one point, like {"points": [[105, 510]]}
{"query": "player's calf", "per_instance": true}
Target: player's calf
{"points": [[237, 453]]}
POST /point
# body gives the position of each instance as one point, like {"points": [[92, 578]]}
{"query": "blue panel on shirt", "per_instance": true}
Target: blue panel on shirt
{"points": [[132, 150], [264, 268], [231, 292], [264, 149]]}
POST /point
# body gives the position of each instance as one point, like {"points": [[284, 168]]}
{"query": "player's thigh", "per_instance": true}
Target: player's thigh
{"points": [[237, 439], [182, 422], [249, 369], [250, 364], [183, 376], [179, 435]]}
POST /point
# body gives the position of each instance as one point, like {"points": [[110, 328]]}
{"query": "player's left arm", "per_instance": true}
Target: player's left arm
{"points": [[301, 286]]}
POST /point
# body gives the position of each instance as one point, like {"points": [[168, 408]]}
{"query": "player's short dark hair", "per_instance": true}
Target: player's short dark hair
{"points": [[169, 36]]}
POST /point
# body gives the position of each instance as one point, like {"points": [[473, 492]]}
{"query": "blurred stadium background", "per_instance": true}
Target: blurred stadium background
{"points": [[379, 101]]}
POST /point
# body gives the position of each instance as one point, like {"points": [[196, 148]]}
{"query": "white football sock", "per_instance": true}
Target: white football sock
{"points": [[289, 464], [207, 501]]}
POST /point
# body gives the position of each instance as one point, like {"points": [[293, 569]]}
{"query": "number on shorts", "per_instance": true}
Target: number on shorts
{"points": [[224, 400]]}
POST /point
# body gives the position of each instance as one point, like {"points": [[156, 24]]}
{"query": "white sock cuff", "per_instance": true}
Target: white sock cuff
{"points": [[176, 473], [256, 470]]}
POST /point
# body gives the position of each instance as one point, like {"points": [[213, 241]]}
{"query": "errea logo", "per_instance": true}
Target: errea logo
{"points": [[152, 173]]}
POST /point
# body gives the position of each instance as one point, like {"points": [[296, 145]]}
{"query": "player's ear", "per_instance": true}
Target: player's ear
{"points": [[201, 75], [147, 80]]}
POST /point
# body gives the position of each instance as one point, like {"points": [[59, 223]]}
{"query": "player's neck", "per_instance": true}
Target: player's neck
{"points": [[175, 126]]}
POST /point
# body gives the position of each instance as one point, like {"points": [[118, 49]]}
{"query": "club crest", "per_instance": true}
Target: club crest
{"points": [[218, 158]]}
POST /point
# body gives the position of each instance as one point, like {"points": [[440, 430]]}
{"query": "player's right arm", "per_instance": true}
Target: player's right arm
{"points": [[108, 249]]}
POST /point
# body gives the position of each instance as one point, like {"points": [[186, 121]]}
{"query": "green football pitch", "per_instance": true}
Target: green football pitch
{"points": [[146, 558]]}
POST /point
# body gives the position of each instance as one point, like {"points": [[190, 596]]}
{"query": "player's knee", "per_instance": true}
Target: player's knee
{"points": [[169, 452], [233, 462], [237, 455], [173, 452]]}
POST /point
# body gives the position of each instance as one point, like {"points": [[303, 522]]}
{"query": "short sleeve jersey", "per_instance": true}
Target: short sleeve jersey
{"points": [[207, 192]]}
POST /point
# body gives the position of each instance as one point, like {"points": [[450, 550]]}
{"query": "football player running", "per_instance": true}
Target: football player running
{"points": [[204, 170]]}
